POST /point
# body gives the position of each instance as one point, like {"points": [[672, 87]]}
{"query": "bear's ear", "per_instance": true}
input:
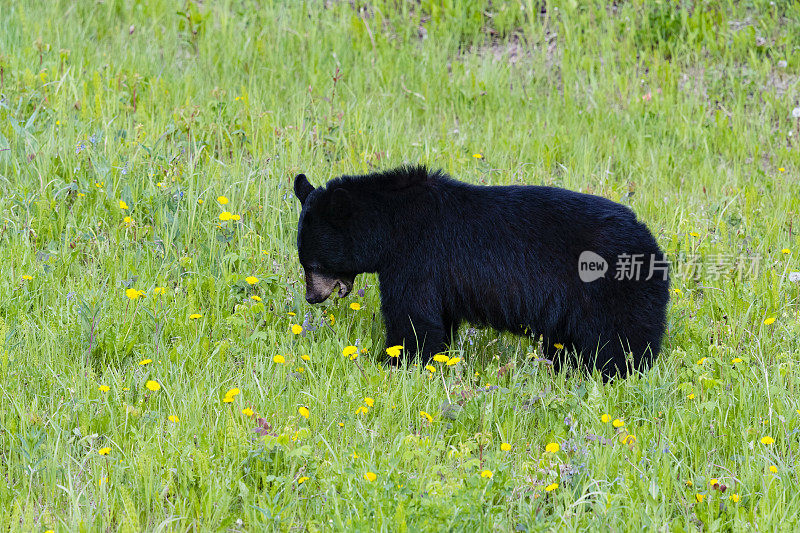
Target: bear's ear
{"points": [[302, 188]]}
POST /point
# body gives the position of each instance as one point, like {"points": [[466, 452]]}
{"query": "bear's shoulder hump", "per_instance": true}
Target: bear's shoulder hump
{"points": [[406, 177]]}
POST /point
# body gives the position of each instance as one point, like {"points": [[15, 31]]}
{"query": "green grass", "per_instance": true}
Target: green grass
{"points": [[681, 111]]}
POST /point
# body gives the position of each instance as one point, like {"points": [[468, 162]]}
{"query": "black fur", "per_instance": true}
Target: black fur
{"points": [[501, 256]]}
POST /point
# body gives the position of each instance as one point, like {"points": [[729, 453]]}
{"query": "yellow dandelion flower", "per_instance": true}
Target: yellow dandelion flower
{"points": [[251, 280], [689, 483], [350, 351], [222, 200], [104, 388], [195, 316], [255, 298], [769, 321], [781, 169], [362, 410], [453, 361], [694, 234], [767, 440], [553, 447], [426, 416], [297, 329], [713, 481], [279, 359], [123, 205], [505, 446], [355, 306], [173, 418], [558, 346], [370, 476], [736, 360], [618, 423], [247, 411], [235, 217], [605, 419], [291, 313], [133, 294], [699, 497], [394, 351], [341, 424], [487, 474], [773, 469], [551, 487], [477, 155], [225, 216], [127, 220], [678, 292], [153, 385], [305, 357], [786, 251], [691, 396], [104, 451], [304, 412], [440, 358], [160, 290], [629, 439], [734, 498], [233, 392], [302, 480], [27, 277], [430, 368], [144, 362], [227, 399], [701, 360], [369, 401]]}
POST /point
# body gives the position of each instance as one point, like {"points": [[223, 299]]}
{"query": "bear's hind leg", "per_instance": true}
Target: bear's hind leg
{"points": [[610, 355]]}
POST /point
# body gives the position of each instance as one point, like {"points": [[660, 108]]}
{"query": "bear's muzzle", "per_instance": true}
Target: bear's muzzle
{"points": [[320, 286]]}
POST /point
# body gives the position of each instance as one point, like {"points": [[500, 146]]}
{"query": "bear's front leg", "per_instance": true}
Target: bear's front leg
{"points": [[421, 335]]}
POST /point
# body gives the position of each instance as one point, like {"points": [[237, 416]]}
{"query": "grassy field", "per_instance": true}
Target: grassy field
{"points": [[146, 157]]}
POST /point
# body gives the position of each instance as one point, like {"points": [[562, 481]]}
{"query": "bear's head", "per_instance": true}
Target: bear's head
{"points": [[324, 241]]}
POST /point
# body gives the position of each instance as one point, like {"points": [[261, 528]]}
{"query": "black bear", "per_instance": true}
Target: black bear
{"points": [[576, 269]]}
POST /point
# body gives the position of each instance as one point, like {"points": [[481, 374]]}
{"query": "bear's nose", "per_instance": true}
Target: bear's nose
{"points": [[313, 298]]}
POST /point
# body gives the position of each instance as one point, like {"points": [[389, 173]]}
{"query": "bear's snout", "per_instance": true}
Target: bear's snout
{"points": [[314, 298], [320, 286]]}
